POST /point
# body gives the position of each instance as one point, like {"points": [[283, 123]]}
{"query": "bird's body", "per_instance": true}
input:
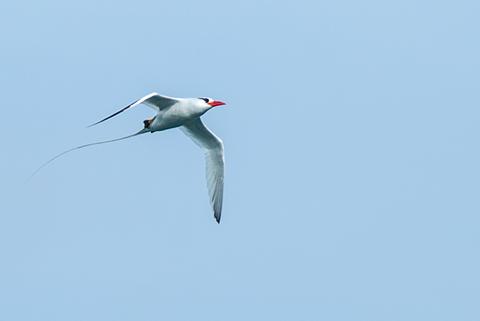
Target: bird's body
{"points": [[177, 115], [184, 113]]}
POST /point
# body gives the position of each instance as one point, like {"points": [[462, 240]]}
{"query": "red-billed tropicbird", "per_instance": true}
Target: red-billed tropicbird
{"points": [[183, 113]]}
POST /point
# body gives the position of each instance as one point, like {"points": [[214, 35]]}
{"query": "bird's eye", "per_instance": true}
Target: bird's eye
{"points": [[205, 99]]}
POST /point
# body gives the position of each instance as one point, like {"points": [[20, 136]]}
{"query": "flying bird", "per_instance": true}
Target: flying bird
{"points": [[184, 113]]}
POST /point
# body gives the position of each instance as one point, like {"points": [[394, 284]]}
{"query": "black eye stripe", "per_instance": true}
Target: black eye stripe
{"points": [[204, 99]]}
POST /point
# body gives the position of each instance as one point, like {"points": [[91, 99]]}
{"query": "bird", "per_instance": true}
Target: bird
{"points": [[183, 113]]}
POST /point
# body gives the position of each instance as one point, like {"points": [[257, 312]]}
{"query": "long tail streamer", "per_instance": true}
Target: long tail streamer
{"points": [[145, 130]]}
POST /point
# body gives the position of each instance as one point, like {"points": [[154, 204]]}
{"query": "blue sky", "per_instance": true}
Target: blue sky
{"points": [[351, 140]]}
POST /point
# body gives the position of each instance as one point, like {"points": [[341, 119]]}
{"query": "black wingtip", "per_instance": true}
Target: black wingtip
{"points": [[112, 115], [217, 218], [91, 125]]}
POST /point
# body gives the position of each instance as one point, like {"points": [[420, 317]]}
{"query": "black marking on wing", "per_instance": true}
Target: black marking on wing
{"points": [[113, 115]]}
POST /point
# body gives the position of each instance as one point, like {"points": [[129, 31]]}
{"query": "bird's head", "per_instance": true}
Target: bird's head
{"points": [[209, 102]]}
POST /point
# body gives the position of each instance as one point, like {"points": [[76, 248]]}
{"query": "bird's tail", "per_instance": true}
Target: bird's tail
{"points": [[143, 131]]}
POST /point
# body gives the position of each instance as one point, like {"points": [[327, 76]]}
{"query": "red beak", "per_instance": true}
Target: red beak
{"points": [[216, 103]]}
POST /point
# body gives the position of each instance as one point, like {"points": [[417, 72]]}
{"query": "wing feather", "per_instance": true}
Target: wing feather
{"points": [[154, 100], [213, 148]]}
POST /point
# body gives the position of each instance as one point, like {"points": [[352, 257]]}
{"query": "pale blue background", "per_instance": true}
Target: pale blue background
{"points": [[352, 148]]}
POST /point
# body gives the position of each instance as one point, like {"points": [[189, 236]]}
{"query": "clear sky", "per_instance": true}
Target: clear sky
{"points": [[352, 161]]}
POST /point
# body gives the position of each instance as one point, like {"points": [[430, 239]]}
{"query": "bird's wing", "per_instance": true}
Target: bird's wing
{"points": [[154, 100], [213, 148]]}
